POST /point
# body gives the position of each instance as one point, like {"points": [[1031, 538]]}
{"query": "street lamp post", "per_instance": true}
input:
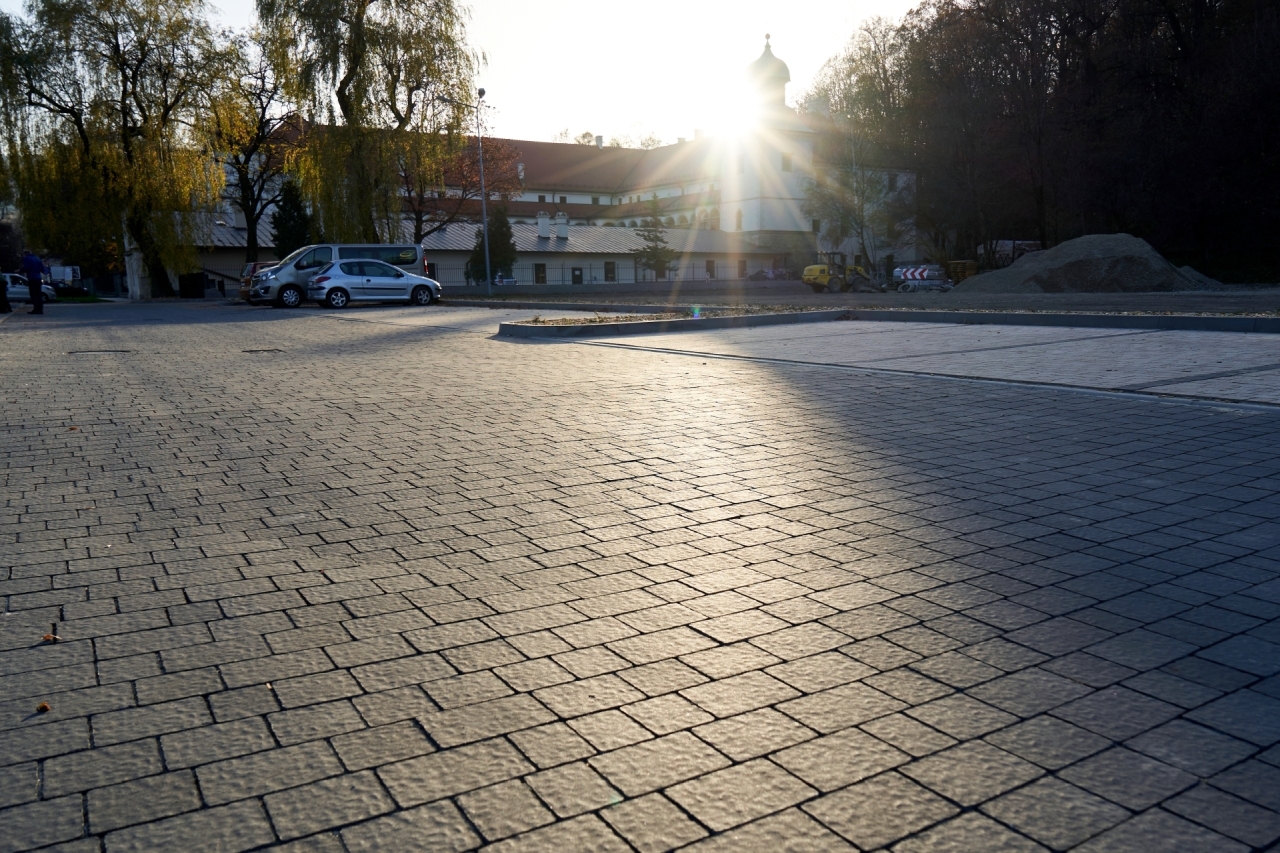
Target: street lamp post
{"points": [[484, 213]]}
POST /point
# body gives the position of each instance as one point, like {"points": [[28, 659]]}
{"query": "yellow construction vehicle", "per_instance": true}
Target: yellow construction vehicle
{"points": [[833, 274]]}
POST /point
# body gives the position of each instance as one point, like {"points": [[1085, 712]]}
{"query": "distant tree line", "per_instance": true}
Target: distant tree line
{"points": [[128, 123], [1048, 119]]}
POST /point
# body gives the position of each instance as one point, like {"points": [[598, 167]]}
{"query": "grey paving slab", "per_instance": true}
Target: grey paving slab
{"points": [[559, 596]]}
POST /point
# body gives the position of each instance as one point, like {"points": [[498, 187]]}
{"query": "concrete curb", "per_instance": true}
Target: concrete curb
{"points": [[641, 327], [600, 307], [1160, 322]]}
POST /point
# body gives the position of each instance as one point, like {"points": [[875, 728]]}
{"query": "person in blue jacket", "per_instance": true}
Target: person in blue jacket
{"points": [[33, 269]]}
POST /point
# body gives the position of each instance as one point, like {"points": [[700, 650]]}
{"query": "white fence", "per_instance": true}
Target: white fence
{"points": [[597, 273]]}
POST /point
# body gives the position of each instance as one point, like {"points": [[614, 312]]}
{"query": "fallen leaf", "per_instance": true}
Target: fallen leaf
{"points": [[43, 708], [51, 638]]}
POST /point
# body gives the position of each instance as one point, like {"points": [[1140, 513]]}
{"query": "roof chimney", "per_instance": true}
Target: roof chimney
{"points": [[599, 141], [544, 225], [562, 226]]}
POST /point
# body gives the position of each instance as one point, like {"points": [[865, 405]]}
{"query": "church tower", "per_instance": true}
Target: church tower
{"points": [[763, 188]]}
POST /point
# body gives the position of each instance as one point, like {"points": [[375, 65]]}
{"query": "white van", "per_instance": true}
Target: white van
{"points": [[285, 284]]}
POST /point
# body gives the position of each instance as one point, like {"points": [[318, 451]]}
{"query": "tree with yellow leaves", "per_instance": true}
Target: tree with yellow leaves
{"points": [[119, 83]]}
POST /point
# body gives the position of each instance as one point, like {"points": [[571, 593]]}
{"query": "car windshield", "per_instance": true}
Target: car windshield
{"points": [[292, 256]]}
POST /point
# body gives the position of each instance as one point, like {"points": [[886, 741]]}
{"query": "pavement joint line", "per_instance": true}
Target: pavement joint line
{"points": [[1019, 346], [1083, 389], [1204, 377]]}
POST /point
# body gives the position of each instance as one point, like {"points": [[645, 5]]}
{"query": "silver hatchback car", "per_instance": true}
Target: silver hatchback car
{"points": [[340, 283]]}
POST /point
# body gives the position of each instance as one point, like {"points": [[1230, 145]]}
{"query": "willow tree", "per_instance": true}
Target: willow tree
{"points": [[390, 80], [252, 128], [117, 84]]}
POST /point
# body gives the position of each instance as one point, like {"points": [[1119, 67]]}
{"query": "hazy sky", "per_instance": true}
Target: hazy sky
{"points": [[638, 66]]}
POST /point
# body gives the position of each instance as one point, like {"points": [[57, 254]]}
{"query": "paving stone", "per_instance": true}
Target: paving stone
{"points": [[95, 768], [134, 723], [40, 823], [652, 824], [505, 809], [879, 811], [1253, 780], [1054, 813], [267, 772], [1192, 748], [968, 832], [216, 742], [587, 832], [746, 692], [1125, 777], [1029, 692], [819, 672], [840, 707], [588, 695], [435, 827], [839, 759], [572, 789], [971, 773], [19, 784], [1160, 832], [456, 771], [1117, 713], [550, 745], [233, 828], [315, 721], [737, 794], [1245, 714], [665, 714], [1228, 815], [381, 745], [753, 734], [961, 716], [1049, 742], [142, 800], [1170, 688], [906, 734], [332, 802], [655, 764]]}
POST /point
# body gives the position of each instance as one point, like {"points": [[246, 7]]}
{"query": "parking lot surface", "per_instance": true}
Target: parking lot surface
{"points": [[380, 580]]}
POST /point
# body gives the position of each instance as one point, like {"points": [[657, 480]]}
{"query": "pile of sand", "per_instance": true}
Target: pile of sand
{"points": [[1098, 263]]}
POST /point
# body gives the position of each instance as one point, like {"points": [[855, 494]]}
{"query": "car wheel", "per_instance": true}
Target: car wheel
{"points": [[906, 287], [423, 296], [836, 285], [290, 297], [337, 298]]}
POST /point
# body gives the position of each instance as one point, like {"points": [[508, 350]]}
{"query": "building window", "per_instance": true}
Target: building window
{"points": [[893, 181], [564, 199], [542, 198], [786, 162], [715, 219], [610, 270], [431, 270], [711, 269], [595, 199], [817, 225], [737, 224], [742, 268], [539, 273]]}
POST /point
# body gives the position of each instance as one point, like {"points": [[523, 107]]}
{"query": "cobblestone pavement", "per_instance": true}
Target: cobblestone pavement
{"points": [[1215, 365], [381, 581]]}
